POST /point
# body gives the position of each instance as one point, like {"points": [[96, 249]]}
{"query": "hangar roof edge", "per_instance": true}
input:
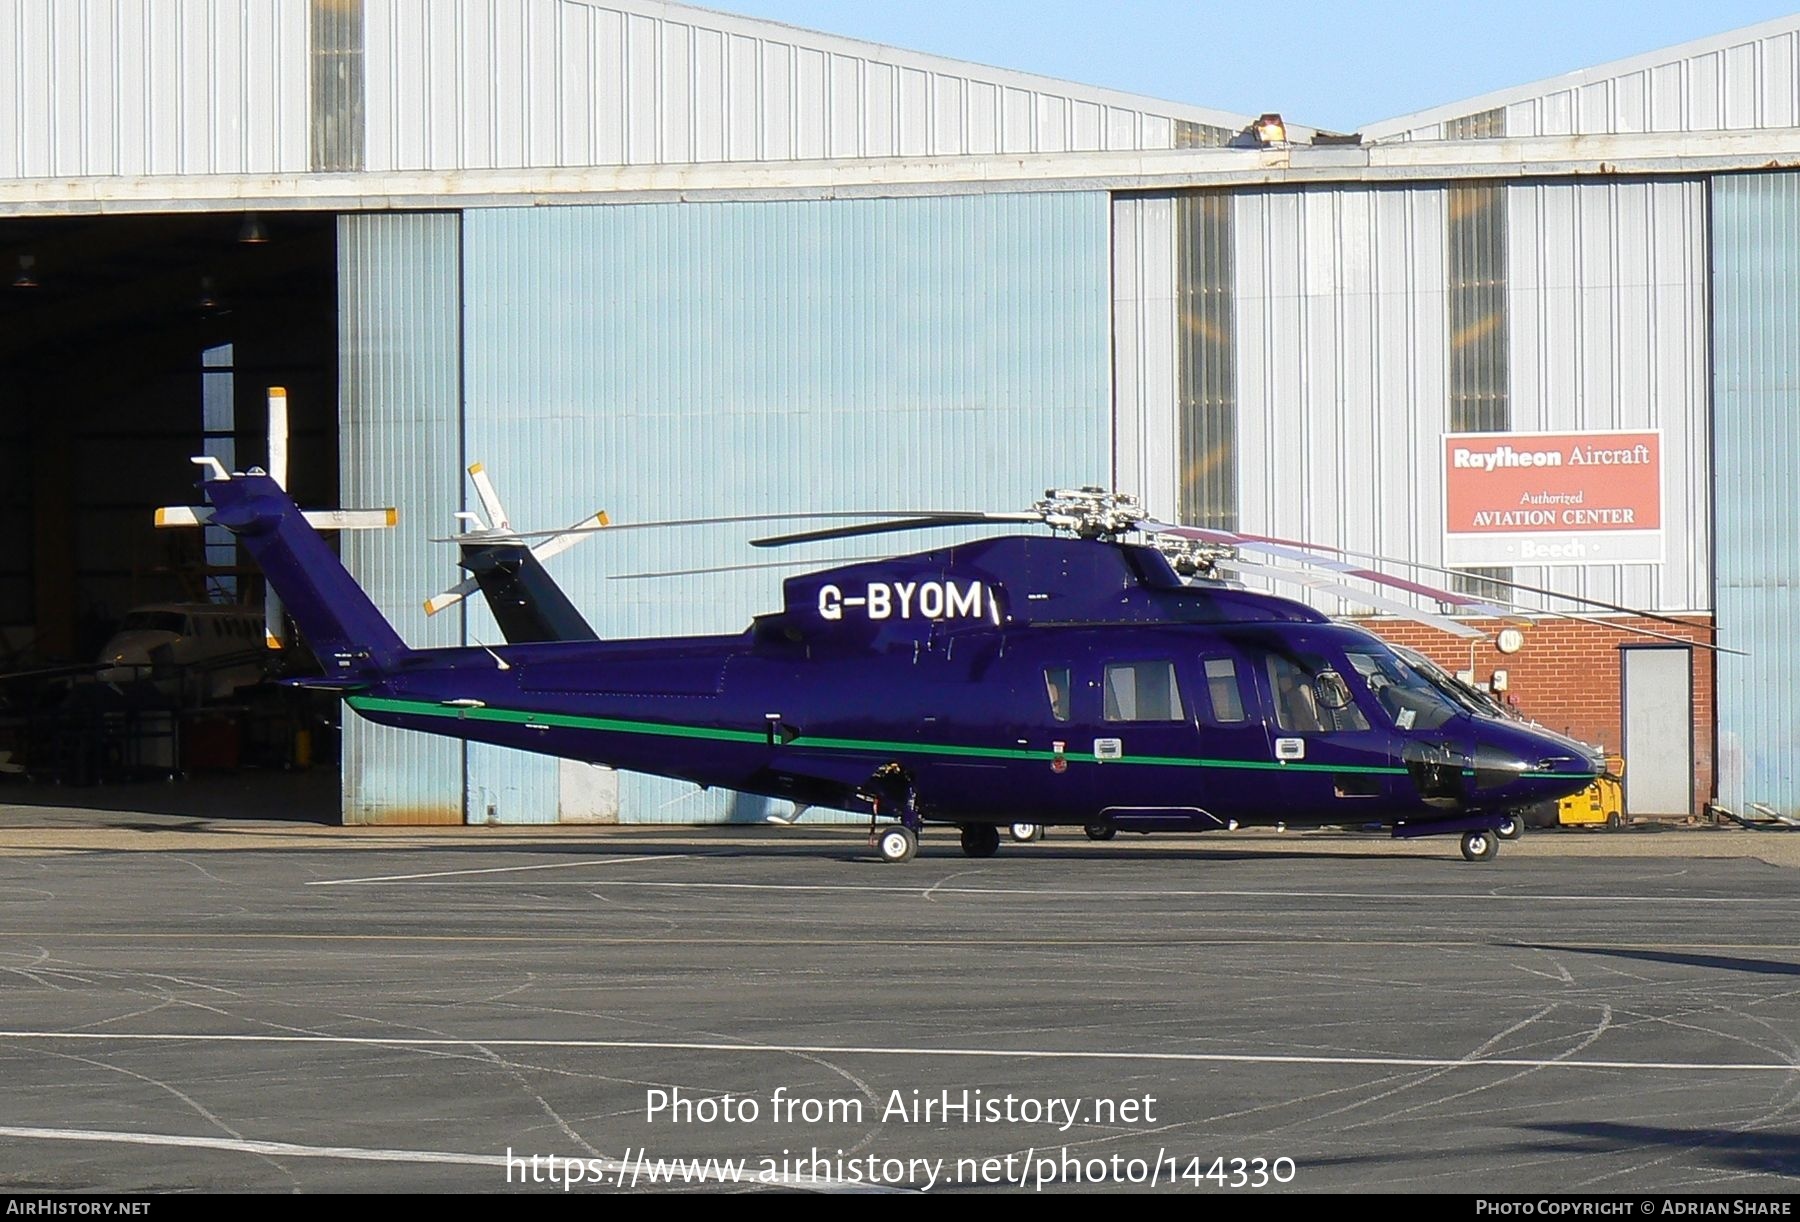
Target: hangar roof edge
{"points": [[672, 10], [1387, 129]]}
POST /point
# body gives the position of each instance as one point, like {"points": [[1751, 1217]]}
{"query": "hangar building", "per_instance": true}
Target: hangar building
{"points": [[676, 263]]}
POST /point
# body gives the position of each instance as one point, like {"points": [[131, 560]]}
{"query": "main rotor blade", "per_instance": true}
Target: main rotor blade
{"points": [[587, 528], [1516, 608], [1434, 568], [1313, 581], [1616, 626], [738, 568], [918, 522], [1296, 553]]}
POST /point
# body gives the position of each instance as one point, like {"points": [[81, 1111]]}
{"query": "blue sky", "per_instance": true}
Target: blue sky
{"points": [[1337, 66]]}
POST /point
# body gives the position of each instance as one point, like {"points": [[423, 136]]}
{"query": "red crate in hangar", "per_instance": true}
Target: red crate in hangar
{"points": [[210, 744]]}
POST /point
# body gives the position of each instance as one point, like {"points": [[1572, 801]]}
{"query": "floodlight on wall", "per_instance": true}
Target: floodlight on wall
{"points": [[1270, 130], [25, 280], [253, 232]]}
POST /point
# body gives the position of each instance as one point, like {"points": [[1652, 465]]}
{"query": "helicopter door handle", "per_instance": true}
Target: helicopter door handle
{"points": [[1290, 748], [1108, 749]]}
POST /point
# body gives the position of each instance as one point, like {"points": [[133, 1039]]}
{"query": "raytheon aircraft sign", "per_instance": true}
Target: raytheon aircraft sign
{"points": [[1553, 498]]}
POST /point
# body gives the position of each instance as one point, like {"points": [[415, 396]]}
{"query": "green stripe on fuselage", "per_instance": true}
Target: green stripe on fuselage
{"points": [[615, 725]]}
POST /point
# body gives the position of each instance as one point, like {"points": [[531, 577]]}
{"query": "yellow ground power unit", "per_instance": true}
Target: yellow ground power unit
{"points": [[1600, 804]]}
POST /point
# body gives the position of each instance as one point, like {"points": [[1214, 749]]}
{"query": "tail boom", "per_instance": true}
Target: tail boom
{"points": [[345, 629]]}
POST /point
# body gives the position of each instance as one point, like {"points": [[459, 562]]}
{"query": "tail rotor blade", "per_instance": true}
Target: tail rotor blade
{"points": [[183, 515], [274, 618], [489, 497], [449, 598], [556, 545]]}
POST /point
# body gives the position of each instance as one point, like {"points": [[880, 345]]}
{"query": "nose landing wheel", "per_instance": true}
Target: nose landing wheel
{"points": [[1480, 846], [1511, 829]]}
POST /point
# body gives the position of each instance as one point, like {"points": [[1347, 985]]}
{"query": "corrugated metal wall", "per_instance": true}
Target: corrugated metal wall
{"points": [[1756, 361], [399, 300], [702, 359], [1749, 84], [1746, 80], [1146, 379], [1608, 331], [1206, 302], [1342, 360], [1343, 334], [477, 84], [123, 87]]}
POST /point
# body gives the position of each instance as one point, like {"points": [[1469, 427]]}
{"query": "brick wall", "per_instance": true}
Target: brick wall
{"points": [[1567, 675]]}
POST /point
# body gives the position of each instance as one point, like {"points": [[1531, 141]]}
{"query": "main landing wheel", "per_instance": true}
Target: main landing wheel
{"points": [[1511, 828], [1025, 833], [1480, 846], [1100, 831], [980, 840], [897, 844]]}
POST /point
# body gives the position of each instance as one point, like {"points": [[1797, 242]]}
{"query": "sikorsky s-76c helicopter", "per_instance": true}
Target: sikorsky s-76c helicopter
{"points": [[1075, 679]]}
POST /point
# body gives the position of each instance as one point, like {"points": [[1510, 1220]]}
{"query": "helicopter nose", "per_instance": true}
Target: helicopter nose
{"points": [[1533, 771]]}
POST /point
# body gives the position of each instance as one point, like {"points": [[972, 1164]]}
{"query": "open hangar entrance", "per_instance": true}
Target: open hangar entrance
{"points": [[129, 344]]}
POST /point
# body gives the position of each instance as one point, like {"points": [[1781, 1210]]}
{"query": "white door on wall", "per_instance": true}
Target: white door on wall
{"points": [[1657, 699]]}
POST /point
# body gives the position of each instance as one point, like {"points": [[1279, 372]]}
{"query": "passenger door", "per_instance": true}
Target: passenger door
{"points": [[1232, 745], [1330, 763], [1145, 718]]}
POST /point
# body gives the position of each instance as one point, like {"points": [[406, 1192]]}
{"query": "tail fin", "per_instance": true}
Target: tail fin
{"points": [[348, 634], [525, 600]]}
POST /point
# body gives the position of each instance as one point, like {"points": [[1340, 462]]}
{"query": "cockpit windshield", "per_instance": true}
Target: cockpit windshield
{"points": [[1411, 701], [1467, 695]]}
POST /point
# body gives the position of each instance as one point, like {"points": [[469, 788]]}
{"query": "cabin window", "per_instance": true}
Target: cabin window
{"points": [[154, 621], [1222, 690], [1142, 691], [1297, 706], [1056, 687]]}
